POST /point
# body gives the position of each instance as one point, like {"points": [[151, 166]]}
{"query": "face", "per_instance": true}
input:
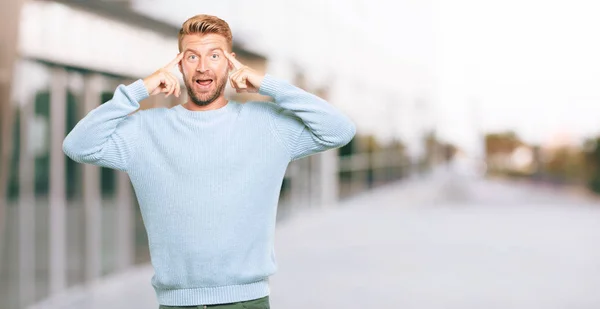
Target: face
{"points": [[204, 67]]}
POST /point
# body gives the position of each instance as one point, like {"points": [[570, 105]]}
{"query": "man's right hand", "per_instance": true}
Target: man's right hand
{"points": [[163, 81]]}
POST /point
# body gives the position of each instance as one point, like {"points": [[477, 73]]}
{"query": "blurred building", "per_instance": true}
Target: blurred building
{"points": [[65, 224]]}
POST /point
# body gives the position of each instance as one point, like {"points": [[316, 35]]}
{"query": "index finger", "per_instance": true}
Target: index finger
{"points": [[175, 61], [236, 64]]}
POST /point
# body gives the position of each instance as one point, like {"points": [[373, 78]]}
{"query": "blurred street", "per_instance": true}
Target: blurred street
{"points": [[447, 242], [441, 241]]}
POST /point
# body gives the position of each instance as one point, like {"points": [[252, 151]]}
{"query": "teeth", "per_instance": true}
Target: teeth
{"points": [[200, 81]]}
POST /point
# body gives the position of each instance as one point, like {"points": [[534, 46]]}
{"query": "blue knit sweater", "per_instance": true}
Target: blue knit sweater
{"points": [[208, 182]]}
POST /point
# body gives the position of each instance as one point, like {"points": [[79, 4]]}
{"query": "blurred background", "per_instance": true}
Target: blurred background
{"points": [[472, 182]]}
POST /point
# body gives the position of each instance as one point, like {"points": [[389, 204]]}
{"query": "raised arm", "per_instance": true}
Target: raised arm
{"points": [[107, 135], [304, 122]]}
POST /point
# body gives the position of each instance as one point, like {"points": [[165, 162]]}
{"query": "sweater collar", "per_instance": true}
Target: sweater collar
{"points": [[205, 114]]}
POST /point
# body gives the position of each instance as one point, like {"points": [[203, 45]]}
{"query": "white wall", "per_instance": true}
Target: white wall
{"points": [[61, 34]]}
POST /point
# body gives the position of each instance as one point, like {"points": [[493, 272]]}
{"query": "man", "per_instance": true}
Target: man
{"points": [[208, 173]]}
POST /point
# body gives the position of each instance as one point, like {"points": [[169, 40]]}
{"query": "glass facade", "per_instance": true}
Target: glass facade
{"points": [[94, 208]]}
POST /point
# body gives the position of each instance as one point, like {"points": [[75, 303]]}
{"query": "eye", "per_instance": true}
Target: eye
{"points": [[215, 56], [192, 57]]}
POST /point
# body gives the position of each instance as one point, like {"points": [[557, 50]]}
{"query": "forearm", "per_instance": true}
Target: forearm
{"points": [[328, 126], [105, 134]]}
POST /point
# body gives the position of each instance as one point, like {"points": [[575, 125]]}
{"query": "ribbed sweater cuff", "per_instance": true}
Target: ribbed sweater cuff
{"points": [[269, 86], [137, 90]]}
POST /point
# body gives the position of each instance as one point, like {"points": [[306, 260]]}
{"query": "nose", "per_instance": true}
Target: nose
{"points": [[202, 67]]}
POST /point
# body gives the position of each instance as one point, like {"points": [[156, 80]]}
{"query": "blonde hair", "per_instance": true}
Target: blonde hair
{"points": [[204, 24]]}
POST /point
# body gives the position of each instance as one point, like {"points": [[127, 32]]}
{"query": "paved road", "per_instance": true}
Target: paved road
{"points": [[450, 243], [444, 242]]}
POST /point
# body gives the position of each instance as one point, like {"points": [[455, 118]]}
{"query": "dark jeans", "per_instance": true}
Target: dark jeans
{"points": [[261, 303]]}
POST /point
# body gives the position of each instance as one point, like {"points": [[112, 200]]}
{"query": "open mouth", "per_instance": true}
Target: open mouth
{"points": [[204, 82]]}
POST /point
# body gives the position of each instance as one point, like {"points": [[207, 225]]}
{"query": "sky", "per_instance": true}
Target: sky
{"points": [[461, 67], [530, 66]]}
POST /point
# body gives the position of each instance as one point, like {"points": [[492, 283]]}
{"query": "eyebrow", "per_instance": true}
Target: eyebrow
{"points": [[210, 50]]}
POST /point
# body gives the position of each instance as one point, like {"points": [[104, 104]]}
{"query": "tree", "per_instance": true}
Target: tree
{"points": [[501, 143], [592, 160]]}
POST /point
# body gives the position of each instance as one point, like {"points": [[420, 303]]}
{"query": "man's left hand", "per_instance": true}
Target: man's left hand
{"points": [[243, 78]]}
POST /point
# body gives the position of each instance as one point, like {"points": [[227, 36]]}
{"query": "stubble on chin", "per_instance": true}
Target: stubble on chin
{"points": [[209, 99], [218, 91]]}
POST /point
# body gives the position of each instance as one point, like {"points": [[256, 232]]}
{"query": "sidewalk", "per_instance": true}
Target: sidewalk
{"points": [[132, 289], [432, 242], [128, 290], [408, 249]]}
